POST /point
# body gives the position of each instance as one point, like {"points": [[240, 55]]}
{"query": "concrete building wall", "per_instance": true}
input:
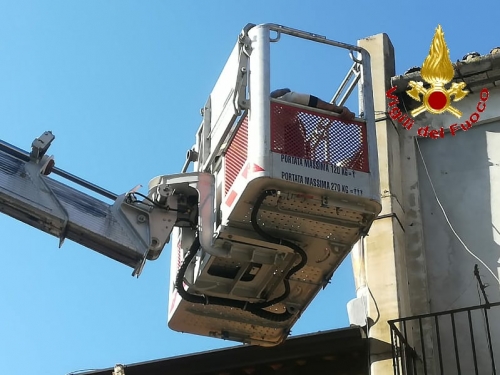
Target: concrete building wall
{"points": [[377, 261], [465, 172], [412, 263]]}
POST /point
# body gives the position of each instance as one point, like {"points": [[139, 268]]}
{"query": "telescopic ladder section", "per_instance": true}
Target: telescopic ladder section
{"points": [[286, 192], [126, 229]]}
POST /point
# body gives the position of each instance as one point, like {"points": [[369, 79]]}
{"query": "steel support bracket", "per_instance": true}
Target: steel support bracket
{"points": [[150, 224]]}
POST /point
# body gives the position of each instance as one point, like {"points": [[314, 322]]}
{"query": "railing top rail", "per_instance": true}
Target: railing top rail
{"points": [[318, 111], [447, 312], [310, 36]]}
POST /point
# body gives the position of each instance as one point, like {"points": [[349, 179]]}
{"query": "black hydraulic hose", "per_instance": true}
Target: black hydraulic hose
{"points": [[254, 308], [272, 239], [179, 281]]}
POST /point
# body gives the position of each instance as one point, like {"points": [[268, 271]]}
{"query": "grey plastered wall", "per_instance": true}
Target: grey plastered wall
{"points": [[465, 172]]}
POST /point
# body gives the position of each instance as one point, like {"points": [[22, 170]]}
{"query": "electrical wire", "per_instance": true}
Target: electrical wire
{"points": [[376, 306], [146, 198], [488, 343], [443, 210], [461, 294], [448, 220], [363, 269], [80, 371], [137, 202], [153, 203]]}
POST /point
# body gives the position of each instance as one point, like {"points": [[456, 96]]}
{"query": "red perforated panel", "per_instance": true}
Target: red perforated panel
{"points": [[307, 134], [316, 136], [236, 155]]}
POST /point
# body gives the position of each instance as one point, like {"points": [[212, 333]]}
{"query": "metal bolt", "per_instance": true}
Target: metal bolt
{"points": [[141, 218], [324, 200]]}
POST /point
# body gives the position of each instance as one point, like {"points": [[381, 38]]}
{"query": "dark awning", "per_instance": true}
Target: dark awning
{"points": [[342, 350]]}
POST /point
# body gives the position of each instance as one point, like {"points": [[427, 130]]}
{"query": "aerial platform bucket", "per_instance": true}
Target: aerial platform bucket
{"points": [[294, 188]]}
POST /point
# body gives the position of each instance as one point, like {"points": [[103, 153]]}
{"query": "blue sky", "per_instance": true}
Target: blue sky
{"points": [[120, 84]]}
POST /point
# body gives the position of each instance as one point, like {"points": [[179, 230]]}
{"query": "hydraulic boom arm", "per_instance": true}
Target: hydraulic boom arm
{"points": [[127, 230]]}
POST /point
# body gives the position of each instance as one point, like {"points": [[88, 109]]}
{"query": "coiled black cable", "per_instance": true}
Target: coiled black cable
{"points": [[254, 308], [206, 300], [272, 239]]}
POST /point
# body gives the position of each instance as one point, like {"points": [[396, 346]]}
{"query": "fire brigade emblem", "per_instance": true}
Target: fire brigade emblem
{"points": [[437, 70]]}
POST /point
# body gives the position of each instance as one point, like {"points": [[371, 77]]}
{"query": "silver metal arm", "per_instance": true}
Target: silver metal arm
{"points": [[129, 230]]}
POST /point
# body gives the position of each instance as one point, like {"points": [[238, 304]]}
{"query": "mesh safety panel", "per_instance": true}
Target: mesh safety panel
{"points": [[236, 154], [311, 135]]}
